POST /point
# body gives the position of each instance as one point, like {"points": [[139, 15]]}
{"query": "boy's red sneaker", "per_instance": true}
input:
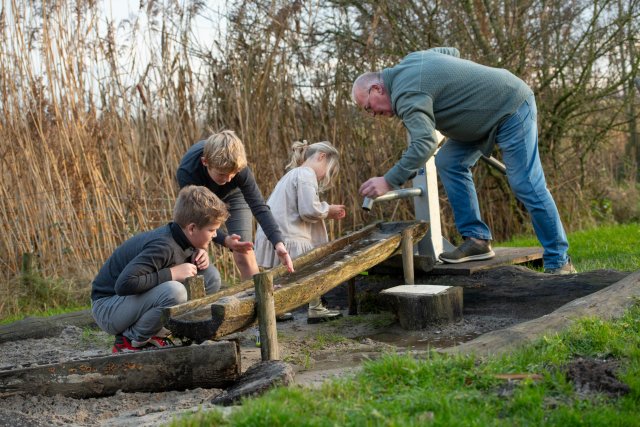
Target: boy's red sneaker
{"points": [[122, 345], [160, 342]]}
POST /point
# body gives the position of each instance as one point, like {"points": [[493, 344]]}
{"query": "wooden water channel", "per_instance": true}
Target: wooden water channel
{"points": [[316, 272]]}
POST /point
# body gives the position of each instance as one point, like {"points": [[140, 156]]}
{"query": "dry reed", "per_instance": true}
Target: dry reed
{"points": [[91, 137]]}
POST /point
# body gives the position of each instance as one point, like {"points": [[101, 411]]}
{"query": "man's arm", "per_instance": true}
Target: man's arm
{"points": [[259, 208], [416, 111]]}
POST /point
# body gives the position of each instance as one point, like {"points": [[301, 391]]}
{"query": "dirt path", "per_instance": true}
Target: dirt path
{"points": [[493, 300]]}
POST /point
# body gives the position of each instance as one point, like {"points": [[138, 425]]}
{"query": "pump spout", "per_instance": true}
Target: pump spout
{"points": [[402, 193]]}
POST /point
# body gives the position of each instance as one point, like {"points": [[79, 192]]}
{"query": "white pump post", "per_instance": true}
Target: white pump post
{"points": [[427, 208]]}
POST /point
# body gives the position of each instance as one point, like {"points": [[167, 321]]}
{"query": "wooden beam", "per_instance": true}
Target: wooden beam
{"points": [[608, 303], [195, 287], [407, 257], [266, 317], [43, 327], [214, 365]]}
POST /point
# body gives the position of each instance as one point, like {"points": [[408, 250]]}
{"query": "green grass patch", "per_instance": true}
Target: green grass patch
{"points": [[35, 295], [439, 390], [608, 247]]}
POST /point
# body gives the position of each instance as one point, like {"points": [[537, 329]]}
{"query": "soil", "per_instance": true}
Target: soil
{"points": [[493, 300]]}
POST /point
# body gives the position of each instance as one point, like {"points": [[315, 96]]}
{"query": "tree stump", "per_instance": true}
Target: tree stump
{"points": [[420, 306]]}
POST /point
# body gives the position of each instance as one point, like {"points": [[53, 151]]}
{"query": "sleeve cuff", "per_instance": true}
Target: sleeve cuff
{"points": [[164, 275]]}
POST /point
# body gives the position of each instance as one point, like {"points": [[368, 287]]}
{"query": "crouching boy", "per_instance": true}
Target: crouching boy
{"points": [[145, 273]]}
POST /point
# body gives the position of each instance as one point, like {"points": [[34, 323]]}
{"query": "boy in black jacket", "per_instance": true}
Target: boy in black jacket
{"points": [[145, 273]]}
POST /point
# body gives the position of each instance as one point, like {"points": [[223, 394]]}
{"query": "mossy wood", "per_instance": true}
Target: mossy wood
{"points": [[317, 272], [194, 307], [214, 365], [265, 308], [195, 287], [43, 327]]}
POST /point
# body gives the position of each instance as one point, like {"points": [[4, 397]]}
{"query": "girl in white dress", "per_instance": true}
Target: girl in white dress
{"points": [[296, 207]]}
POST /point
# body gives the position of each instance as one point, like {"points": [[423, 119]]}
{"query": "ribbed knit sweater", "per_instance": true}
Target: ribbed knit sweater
{"points": [[465, 101]]}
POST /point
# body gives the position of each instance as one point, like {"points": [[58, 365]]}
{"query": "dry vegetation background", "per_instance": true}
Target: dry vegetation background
{"points": [[95, 114]]}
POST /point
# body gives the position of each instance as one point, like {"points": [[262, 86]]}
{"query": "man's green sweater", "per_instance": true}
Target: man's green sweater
{"points": [[465, 101]]}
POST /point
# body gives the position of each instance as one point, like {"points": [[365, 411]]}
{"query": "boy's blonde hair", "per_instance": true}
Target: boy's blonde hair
{"points": [[301, 151], [198, 205], [225, 151]]}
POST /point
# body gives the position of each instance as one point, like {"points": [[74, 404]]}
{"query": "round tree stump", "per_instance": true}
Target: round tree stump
{"points": [[420, 306]]}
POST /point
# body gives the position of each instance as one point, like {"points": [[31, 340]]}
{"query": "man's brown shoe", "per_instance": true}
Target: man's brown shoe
{"points": [[568, 268], [471, 250]]}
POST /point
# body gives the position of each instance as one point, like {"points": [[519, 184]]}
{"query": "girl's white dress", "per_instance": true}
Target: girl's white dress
{"points": [[296, 206]]}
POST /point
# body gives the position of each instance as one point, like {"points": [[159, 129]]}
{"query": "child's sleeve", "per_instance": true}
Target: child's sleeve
{"points": [[259, 209], [148, 269], [310, 208]]}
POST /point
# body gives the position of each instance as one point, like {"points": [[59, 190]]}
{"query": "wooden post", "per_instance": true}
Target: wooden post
{"points": [[407, 257], [195, 287], [266, 311], [26, 268], [351, 297]]}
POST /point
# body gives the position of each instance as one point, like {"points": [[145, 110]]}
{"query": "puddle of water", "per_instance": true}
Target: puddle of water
{"points": [[421, 340]]}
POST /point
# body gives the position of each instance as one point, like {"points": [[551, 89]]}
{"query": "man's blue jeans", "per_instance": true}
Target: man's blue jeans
{"points": [[517, 138]]}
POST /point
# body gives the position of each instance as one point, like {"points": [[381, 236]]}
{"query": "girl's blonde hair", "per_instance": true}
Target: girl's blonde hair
{"points": [[225, 151], [301, 151]]}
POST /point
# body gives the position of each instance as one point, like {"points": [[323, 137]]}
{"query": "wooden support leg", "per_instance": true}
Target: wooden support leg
{"points": [[351, 297], [195, 287], [266, 316], [407, 257]]}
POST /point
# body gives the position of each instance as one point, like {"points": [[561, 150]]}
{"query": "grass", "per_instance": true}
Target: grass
{"points": [[464, 391], [440, 390], [33, 294], [607, 247]]}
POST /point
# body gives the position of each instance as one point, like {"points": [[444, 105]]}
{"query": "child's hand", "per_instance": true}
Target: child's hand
{"points": [[285, 259], [181, 271], [233, 242], [336, 212], [201, 259]]}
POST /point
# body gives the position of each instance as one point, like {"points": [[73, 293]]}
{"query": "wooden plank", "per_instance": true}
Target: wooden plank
{"points": [[258, 379], [608, 303], [43, 327], [504, 256], [214, 365]]}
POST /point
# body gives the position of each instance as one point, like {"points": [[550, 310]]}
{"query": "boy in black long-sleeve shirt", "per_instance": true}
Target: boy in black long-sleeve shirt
{"points": [[145, 273]]}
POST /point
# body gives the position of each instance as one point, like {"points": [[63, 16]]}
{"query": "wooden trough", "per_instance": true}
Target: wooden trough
{"points": [[316, 272]]}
